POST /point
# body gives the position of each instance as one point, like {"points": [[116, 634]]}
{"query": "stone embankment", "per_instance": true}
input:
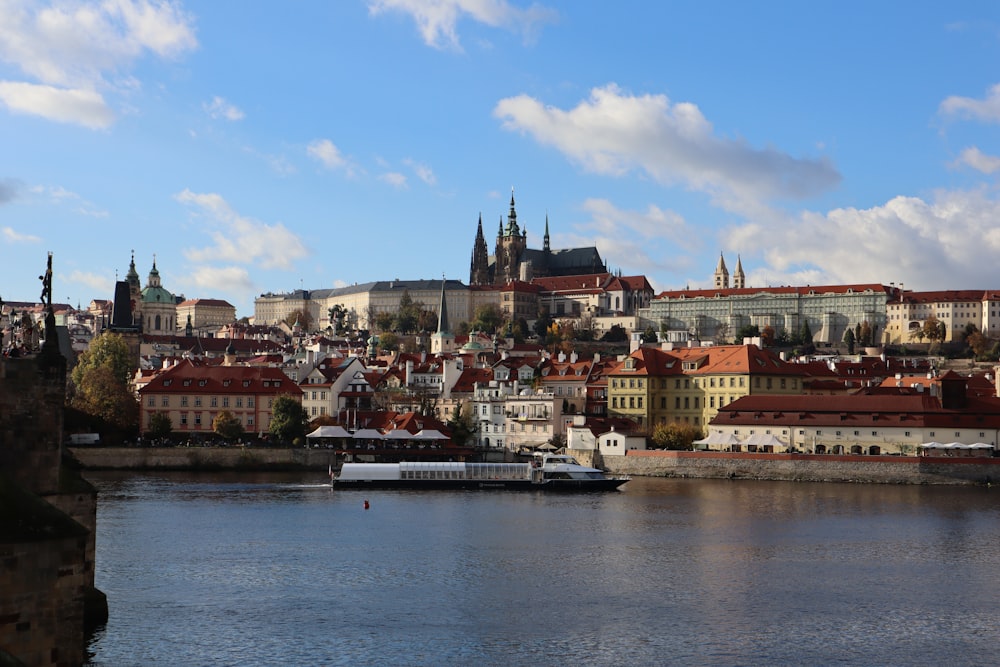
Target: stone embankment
{"points": [[805, 467], [203, 458], [708, 465]]}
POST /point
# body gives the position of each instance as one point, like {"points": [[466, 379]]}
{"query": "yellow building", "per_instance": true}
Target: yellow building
{"points": [[689, 385]]}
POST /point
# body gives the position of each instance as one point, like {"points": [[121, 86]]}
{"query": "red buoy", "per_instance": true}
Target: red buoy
{"points": [[367, 505]]}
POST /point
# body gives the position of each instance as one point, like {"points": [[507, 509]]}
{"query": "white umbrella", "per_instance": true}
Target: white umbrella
{"points": [[430, 434], [329, 432], [368, 434]]}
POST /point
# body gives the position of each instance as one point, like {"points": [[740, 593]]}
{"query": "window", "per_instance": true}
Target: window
{"points": [[184, 419], [197, 419], [165, 401], [214, 402], [151, 401], [239, 401], [225, 401], [250, 401]]}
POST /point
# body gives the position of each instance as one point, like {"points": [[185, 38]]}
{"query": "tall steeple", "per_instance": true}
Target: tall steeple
{"points": [[545, 241], [479, 270], [442, 340], [739, 280], [721, 274]]}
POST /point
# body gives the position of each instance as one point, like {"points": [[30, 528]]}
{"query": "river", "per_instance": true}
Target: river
{"points": [[266, 569]]}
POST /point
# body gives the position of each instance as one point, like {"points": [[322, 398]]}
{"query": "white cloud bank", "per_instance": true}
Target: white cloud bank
{"points": [[239, 239], [438, 20], [74, 52], [219, 107], [986, 110], [615, 133]]}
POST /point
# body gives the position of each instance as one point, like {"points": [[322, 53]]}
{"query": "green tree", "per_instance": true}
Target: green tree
{"points": [[849, 340], [649, 336], [461, 425], [615, 334], [300, 317], [384, 321], [805, 333], [337, 315], [542, 325], [407, 315], [747, 331], [107, 350], [227, 426], [102, 382], [160, 425], [388, 342], [288, 420], [675, 435], [487, 318]]}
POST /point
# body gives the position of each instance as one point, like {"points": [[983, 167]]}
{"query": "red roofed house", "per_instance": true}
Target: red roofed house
{"points": [[193, 395]]}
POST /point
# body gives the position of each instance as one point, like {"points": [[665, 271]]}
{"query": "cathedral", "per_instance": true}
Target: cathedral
{"points": [[512, 259]]}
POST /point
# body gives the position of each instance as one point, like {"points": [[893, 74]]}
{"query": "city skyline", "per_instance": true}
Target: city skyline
{"points": [[251, 149]]}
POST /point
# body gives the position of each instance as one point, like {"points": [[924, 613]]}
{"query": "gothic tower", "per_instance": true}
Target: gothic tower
{"points": [[511, 243], [721, 274], [479, 269], [134, 291], [739, 280]]}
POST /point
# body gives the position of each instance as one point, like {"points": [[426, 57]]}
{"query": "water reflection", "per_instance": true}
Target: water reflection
{"points": [[256, 569]]}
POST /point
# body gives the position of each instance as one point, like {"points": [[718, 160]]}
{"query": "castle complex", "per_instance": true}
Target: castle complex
{"points": [[513, 260]]}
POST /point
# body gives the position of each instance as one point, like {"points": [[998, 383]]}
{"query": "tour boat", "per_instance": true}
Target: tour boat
{"points": [[547, 472]]}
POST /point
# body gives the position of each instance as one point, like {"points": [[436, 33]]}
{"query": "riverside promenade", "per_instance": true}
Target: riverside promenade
{"points": [[862, 469]]}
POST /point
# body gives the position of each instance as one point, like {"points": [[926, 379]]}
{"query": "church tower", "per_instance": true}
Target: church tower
{"points": [[721, 274], [739, 280], [443, 340], [159, 308], [479, 269], [134, 291], [511, 243]]}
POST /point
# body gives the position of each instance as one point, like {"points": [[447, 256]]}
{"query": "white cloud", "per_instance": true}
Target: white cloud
{"points": [[950, 242], [438, 20], [616, 133], [986, 110], [95, 283], [975, 158], [220, 108], [59, 196], [240, 239], [230, 279], [395, 179], [330, 156], [12, 236], [73, 50], [82, 107], [423, 172], [638, 241]]}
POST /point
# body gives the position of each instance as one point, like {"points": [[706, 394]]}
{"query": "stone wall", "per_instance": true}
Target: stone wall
{"points": [[203, 458], [804, 467]]}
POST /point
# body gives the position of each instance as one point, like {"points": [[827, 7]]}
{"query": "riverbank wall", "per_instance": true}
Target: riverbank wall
{"points": [[203, 458], [804, 467], [649, 463]]}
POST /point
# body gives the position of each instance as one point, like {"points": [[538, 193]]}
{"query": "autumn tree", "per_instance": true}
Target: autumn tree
{"points": [[767, 336], [615, 334], [102, 382], [675, 435], [288, 420], [337, 315]]}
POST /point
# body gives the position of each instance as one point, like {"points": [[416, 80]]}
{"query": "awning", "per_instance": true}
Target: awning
{"points": [[329, 432]]}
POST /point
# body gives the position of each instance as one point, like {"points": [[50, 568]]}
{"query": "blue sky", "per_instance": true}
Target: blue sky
{"points": [[258, 146]]}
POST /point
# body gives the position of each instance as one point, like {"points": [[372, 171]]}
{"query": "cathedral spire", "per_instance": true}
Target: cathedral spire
{"points": [[545, 241], [443, 310], [721, 274], [739, 279]]}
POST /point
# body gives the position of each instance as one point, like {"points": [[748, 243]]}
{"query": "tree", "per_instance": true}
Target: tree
{"points": [[109, 350], [407, 315], [461, 425], [388, 342], [160, 425], [615, 334], [865, 337], [102, 382], [806, 334], [227, 426], [767, 336], [747, 331], [487, 318], [675, 436], [849, 340], [383, 321], [100, 394], [542, 325], [979, 344], [288, 420], [337, 315], [300, 317], [649, 336]]}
